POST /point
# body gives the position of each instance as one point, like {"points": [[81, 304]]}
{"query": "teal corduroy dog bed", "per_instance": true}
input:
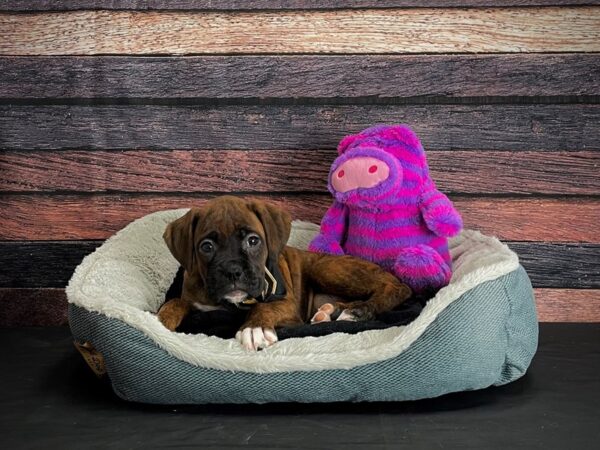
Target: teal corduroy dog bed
{"points": [[478, 331]]}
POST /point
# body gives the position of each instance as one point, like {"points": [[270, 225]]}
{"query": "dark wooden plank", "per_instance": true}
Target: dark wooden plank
{"points": [[58, 217], [567, 265], [32, 307], [306, 76], [568, 305], [365, 31], [470, 172], [48, 306], [143, 5], [486, 127], [51, 264], [41, 264]]}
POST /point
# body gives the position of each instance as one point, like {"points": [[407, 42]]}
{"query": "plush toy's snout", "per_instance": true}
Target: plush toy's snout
{"points": [[360, 172], [364, 174]]}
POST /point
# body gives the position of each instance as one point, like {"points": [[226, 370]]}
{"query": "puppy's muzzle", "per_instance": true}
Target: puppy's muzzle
{"points": [[233, 271]]}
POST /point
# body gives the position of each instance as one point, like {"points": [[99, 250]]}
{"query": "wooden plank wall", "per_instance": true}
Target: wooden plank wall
{"points": [[109, 114]]}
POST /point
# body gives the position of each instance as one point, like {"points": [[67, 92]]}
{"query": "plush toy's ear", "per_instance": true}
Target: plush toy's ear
{"points": [[277, 224], [179, 237], [382, 135], [402, 134], [347, 142]]}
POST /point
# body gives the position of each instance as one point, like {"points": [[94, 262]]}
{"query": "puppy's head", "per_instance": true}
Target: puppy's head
{"points": [[226, 244]]}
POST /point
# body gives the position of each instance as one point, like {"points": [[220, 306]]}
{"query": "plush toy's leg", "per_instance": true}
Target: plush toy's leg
{"points": [[422, 268]]}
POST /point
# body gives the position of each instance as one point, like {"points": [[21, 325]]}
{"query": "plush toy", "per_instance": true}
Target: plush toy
{"points": [[387, 209]]}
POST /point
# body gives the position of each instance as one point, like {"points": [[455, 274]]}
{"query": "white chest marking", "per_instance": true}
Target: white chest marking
{"points": [[207, 308]]}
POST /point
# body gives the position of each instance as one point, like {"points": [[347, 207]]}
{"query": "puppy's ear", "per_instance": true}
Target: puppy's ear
{"points": [[179, 237], [277, 224]]}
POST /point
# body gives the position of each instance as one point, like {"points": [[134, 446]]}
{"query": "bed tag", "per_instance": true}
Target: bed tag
{"points": [[92, 357]]}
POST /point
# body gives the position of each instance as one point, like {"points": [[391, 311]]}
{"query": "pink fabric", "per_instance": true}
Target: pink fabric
{"points": [[361, 172]]}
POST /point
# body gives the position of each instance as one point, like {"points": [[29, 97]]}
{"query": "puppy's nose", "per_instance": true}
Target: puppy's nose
{"points": [[234, 271]]}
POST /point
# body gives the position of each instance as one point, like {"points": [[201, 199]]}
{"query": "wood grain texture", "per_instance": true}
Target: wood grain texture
{"points": [[470, 172], [231, 77], [51, 264], [62, 217], [66, 5], [565, 265], [486, 127], [431, 30], [33, 307], [48, 306], [568, 305], [41, 264]]}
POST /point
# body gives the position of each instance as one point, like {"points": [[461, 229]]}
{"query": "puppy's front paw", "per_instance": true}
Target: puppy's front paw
{"points": [[256, 338], [169, 318]]}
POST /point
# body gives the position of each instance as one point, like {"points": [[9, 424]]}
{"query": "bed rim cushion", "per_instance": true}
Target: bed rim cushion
{"points": [[126, 278]]}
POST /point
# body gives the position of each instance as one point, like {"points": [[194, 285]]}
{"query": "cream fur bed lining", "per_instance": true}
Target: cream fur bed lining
{"points": [[126, 279]]}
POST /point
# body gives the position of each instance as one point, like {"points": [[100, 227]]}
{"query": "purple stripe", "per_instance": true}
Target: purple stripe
{"points": [[374, 251], [381, 217], [366, 224], [430, 197], [391, 233], [439, 201], [334, 228], [393, 243], [333, 223], [425, 271]]}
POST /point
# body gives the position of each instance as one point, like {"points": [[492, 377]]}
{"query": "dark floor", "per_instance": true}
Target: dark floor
{"points": [[51, 400]]}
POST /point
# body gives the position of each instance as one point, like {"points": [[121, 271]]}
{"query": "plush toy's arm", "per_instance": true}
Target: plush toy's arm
{"points": [[333, 230], [438, 212]]}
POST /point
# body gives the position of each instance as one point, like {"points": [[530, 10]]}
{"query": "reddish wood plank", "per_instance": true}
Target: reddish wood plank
{"points": [[48, 306], [58, 217], [425, 77], [143, 5], [470, 172], [568, 305], [32, 307], [97, 217], [550, 220]]}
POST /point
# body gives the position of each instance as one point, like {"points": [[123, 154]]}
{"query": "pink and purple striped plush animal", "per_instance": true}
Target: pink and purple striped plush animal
{"points": [[387, 209]]}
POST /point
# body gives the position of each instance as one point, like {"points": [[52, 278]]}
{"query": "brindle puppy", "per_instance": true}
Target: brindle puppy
{"points": [[234, 255]]}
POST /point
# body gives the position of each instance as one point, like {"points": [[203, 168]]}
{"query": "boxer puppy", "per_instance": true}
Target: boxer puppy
{"points": [[235, 256]]}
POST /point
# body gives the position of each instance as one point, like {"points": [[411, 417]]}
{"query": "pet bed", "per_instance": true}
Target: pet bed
{"points": [[478, 331]]}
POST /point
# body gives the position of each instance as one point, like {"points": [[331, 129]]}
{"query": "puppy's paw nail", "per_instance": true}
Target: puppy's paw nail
{"points": [[320, 316], [327, 308], [270, 335], [347, 315], [323, 314], [253, 339]]}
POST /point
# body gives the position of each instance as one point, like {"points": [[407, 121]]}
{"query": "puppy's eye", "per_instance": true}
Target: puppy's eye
{"points": [[253, 240], [206, 246]]}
